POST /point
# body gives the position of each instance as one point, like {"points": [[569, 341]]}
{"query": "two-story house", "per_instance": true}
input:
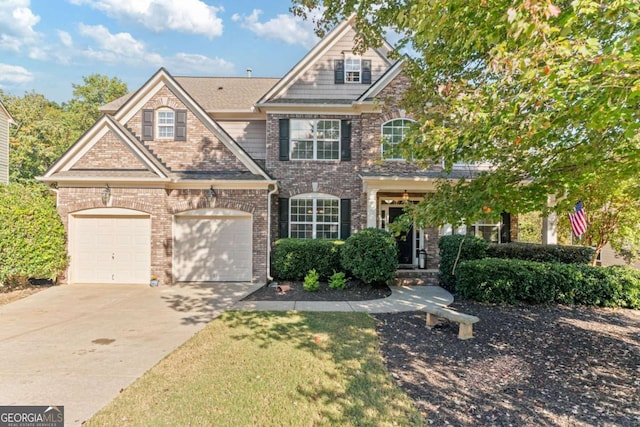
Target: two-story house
{"points": [[194, 178], [5, 121]]}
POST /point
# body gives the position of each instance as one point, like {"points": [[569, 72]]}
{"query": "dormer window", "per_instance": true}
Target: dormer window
{"points": [[352, 70], [166, 123]]}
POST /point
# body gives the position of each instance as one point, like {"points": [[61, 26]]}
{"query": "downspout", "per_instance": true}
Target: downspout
{"points": [[271, 193]]}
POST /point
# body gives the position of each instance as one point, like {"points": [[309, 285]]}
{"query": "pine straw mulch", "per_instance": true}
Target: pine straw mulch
{"points": [[525, 366]]}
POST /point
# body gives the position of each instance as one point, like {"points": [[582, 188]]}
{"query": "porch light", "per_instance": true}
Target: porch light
{"points": [[405, 196], [211, 194], [106, 195]]}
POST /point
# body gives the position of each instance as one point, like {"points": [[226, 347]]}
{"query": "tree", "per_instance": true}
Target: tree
{"points": [[546, 92], [96, 91]]}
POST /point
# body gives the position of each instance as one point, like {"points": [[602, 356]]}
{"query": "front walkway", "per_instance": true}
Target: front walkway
{"points": [[403, 298]]}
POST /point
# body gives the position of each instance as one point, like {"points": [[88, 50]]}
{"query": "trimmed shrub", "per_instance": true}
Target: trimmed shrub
{"points": [[338, 280], [293, 258], [541, 253], [472, 248], [371, 255], [311, 281], [32, 237], [510, 281]]}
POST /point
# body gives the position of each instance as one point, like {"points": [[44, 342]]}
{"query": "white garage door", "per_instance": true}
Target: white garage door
{"points": [[212, 245], [110, 249]]}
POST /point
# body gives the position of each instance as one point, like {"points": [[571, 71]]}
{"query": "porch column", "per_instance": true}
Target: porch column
{"points": [[372, 208], [550, 225]]}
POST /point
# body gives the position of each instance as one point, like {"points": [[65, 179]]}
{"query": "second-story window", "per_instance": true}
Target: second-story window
{"points": [[165, 123], [315, 139], [393, 133], [352, 69]]}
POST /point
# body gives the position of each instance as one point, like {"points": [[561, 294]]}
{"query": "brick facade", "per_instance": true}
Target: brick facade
{"points": [[162, 206]]}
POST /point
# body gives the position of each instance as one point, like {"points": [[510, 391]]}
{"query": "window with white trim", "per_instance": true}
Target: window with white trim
{"points": [[315, 139], [352, 69], [165, 122], [393, 133], [485, 229], [314, 216]]}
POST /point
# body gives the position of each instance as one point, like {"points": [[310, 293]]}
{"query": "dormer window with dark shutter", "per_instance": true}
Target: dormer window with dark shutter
{"points": [[352, 69], [164, 123]]}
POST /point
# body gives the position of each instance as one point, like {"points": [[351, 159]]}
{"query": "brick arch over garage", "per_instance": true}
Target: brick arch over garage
{"points": [[189, 205]]}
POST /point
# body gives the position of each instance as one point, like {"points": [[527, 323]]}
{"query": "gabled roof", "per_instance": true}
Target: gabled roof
{"points": [[313, 56], [161, 79], [4, 111], [382, 82], [62, 168], [215, 94]]}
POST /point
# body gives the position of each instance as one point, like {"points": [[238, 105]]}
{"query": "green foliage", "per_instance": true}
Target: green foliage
{"points": [[468, 247], [338, 280], [371, 255], [511, 281], [530, 227], [32, 237], [44, 130], [547, 92], [311, 281], [293, 258], [541, 253]]}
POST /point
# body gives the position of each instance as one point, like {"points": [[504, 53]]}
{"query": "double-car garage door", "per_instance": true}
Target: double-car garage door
{"points": [[114, 246]]}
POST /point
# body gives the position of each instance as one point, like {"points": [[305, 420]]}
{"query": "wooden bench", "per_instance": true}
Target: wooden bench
{"points": [[466, 321]]}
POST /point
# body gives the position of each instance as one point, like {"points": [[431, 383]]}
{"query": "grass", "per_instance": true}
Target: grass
{"points": [[269, 369]]}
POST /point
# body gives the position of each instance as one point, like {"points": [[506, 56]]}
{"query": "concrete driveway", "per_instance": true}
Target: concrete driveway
{"points": [[79, 345]]}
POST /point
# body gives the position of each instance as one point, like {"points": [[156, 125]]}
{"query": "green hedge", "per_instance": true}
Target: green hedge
{"points": [[32, 237], [472, 248], [371, 255], [510, 281], [293, 258], [541, 253]]}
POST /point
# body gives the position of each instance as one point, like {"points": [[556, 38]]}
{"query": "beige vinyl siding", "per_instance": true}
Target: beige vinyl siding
{"points": [[4, 149], [250, 135], [318, 81]]}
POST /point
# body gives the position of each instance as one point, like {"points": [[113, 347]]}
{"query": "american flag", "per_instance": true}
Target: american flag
{"points": [[578, 220]]}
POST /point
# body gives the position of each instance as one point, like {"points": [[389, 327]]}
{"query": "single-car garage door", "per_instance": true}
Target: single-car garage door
{"points": [[212, 245], [110, 246]]}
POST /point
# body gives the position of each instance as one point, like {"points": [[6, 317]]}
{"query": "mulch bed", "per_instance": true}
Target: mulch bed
{"points": [[525, 366], [355, 291]]}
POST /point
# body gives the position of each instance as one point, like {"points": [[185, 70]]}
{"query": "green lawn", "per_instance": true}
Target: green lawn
{"points": [[269, 369]]}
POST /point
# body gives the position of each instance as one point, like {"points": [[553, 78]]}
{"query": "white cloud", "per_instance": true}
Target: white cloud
{"points": [[16, 25], [193, 63], [290, 29], [65, 38], [188, 16], [116, 48], [14, 74]]}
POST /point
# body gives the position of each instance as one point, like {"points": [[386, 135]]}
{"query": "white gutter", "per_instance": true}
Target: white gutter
{"points": [[271, 193]]}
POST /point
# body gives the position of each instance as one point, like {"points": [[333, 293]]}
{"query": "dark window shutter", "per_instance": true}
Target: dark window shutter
{"points": [[338, 70], [147, 125], [283, 217], [284, 139], [345, 218], [366, 72], [345, 140], [505, 230], [181, 125]]}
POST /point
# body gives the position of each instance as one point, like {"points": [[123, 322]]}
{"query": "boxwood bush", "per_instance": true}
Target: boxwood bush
{"points": [[472, 248], [371, 255], [510, 281], [541, 253], [32, 236], [293, 258]]}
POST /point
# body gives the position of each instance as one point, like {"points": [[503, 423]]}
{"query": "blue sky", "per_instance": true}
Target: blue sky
{"points": [[46, 45]]}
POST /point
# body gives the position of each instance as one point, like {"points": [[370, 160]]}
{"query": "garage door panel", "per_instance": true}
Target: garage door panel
{"points": [[213, 249], [111, 249]]}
